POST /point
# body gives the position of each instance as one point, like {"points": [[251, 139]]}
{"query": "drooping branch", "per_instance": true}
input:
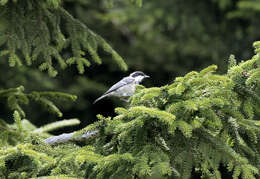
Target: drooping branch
{"points": [[35, 32]]}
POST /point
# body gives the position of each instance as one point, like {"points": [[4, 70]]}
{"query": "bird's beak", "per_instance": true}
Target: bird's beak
{"points": [[146, 76]]}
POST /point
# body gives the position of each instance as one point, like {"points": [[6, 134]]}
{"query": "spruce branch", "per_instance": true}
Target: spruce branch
{"points": [[16, 97], [35, 34], [202, 120], [199, 122], [57, 125], [18, 121]]}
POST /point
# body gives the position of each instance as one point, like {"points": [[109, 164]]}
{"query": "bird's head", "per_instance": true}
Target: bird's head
{"points": [[138, 76]]}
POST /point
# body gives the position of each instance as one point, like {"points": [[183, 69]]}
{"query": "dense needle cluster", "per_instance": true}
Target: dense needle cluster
{"points": [[200, 123], [41, 31], [197, 123]]}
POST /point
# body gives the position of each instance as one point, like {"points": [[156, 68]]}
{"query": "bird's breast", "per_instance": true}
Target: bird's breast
{"points": [[127, 90]]}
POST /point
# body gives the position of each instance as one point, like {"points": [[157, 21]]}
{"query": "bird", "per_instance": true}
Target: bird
{"points": [[125, 87]]}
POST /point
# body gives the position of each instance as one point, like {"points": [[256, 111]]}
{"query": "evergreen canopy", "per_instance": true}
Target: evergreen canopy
{"points": [[41, 30], [198, 123]]}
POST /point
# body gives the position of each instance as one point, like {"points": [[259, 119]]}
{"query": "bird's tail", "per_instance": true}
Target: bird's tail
{"points": [[101, 97]]}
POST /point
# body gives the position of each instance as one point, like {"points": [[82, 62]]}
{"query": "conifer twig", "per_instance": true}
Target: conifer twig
{"points": [[57, 125]]}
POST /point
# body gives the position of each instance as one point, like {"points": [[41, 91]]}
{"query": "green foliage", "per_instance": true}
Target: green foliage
{"points": [[197, 123], [200, 121], [15, 97], [33, 32], [57, 125], [21, 129]]}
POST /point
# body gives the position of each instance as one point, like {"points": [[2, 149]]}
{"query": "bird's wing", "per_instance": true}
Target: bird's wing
{"points": [[119, 84]]}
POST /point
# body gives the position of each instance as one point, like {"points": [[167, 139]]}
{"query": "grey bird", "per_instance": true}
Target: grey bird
{"points": [[125, 87]]}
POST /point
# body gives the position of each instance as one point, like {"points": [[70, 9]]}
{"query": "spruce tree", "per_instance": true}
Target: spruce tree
{"points": [[197, 123]]}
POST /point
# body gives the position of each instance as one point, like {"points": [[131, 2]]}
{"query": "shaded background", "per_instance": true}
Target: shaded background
{"points": [[164, 39]]}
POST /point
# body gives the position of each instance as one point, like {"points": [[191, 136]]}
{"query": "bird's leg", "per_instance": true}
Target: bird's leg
{"points": [[125, 99]]}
